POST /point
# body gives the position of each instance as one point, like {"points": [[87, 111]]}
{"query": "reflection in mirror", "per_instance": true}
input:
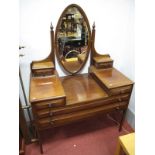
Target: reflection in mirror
{"points": [[72, 39]]}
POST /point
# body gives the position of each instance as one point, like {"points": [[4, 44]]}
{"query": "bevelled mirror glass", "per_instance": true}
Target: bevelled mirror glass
{"points": [[72, 39]]}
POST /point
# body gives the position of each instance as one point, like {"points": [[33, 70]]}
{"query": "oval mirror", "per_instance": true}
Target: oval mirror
{"points": [[72, 39]]}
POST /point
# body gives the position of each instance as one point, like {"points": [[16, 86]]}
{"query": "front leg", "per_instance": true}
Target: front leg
{"points": [[122, 119], [40, 141]]}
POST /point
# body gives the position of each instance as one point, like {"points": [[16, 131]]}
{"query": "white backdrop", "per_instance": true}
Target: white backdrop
{"points": [[114, 21]]}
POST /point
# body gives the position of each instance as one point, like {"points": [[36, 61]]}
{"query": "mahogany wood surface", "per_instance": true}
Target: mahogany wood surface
{"points": [[111, 77], [80, 106], [45, 88], [83, 96], [100, 59], [59, 120], [43, 65], [81, 88]]}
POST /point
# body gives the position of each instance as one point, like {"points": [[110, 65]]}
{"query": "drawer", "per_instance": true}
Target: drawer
{"points": [[120, 90], [43, 72], [59, 120], [69, 109], [44, 123], [104, 65], [49, 104]]}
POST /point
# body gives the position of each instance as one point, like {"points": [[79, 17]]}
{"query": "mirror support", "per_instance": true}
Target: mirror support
{"points": [[99, 60], [47, 65], [52, 57]]}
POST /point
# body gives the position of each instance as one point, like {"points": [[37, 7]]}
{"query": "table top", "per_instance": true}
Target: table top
{"points": [[81, 88]]}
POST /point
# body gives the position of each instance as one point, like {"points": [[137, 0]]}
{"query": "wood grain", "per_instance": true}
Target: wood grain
{"points": [[43, 65], [111, 77], [82, 88], [45, 88]]}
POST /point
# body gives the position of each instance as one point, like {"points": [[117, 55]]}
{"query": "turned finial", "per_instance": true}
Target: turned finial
{"points": [[94, 26], [51, 27]]}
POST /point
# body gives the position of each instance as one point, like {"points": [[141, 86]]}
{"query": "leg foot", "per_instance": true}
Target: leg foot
{"points": [[40, 142]]}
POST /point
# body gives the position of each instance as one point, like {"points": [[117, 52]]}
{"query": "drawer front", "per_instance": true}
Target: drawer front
{"points": [[49, 104], [44, 123], [122, 90], [64, 110], [43, 72], [59, 120], [103, 65]]}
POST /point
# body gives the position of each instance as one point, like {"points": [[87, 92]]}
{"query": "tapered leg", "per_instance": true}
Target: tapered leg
{"points": [[41, 147], [40, 142], [122, 119]]}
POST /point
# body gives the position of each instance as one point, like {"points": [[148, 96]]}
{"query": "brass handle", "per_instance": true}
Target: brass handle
{"points": [[51, 122], [117, 108], [122, 91]]}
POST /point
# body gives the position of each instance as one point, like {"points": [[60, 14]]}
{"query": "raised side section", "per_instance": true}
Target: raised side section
{"points": [[113, 81], [46, 66], [99, 60]]}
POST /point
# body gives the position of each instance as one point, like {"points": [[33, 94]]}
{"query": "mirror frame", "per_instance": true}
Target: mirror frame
{"points": [[89, 38]]}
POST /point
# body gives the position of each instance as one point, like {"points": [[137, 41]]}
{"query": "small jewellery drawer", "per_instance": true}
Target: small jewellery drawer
{"points": [[103, 65], [120, 90], [43, 72], [50, 104]]}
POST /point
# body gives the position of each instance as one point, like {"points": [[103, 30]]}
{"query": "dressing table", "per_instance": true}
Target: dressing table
{"points": [[58, 101]]}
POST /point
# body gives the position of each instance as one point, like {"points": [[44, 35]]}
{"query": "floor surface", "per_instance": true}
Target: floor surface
{"points": [[96, 136]]}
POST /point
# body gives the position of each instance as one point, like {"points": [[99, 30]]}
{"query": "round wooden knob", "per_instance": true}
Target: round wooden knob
{"points": [[117, 108]]}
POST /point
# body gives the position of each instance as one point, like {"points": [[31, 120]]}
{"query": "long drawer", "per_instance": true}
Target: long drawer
{"points": [[69, 109], [59, 120]]}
